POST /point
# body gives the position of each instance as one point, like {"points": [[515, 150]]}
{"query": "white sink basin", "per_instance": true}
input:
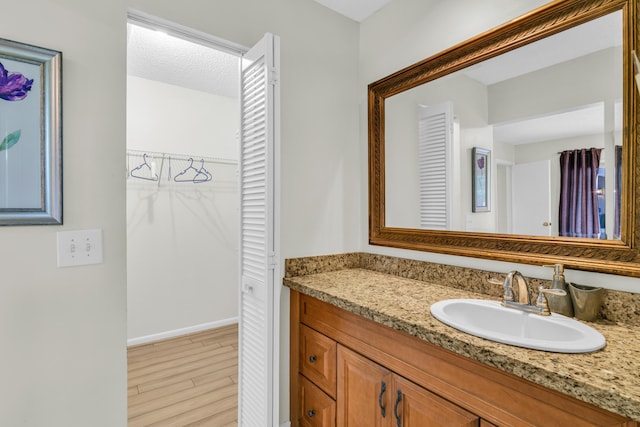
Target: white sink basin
{"points": [[490, 320]]}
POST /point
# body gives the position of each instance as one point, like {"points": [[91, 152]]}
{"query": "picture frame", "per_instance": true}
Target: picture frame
{"points": [[30, 134], [480, 179]]}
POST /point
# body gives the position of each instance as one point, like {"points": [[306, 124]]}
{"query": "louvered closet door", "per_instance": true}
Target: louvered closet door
{"points": [[259, 133], [435, 136]]}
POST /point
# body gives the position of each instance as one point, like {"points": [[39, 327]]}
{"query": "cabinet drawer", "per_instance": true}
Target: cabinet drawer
{"points": [[316, 408], [318, 359]]}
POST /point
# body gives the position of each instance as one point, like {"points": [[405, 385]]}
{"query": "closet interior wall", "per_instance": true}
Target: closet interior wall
{"points": [[182, 210]]}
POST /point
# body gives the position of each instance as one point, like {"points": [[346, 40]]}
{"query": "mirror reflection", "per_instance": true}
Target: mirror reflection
{"points": [[547, 119]]}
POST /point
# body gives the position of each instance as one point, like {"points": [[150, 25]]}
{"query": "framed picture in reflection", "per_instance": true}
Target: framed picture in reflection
{"points": [[480, 179]]}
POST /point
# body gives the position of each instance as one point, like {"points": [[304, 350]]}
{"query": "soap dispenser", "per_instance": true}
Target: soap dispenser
{"points": [[560, 304]]}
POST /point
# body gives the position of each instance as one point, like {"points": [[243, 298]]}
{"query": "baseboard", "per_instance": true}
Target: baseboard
{"points": [[182, 331]]}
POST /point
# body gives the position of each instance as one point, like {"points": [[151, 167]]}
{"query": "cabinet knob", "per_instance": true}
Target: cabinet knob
{"points": [[312, 358], [311, 413]]}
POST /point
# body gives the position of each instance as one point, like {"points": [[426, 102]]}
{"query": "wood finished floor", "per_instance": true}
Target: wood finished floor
{"points": [[186, 381]]}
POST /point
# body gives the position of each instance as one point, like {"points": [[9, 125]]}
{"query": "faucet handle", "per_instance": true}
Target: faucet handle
{"points": [[558, 292], [542, 302], [508, 294]]}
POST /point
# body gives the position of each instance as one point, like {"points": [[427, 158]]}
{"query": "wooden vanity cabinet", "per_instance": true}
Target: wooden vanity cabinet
{"points": [[372, 396], [348, 371]]}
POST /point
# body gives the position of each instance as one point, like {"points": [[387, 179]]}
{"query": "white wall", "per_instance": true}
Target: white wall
{"points": [[406, 31], [563, 87], [481, 222], [63, 330], [182, 238], [182, 255], [172, 119]]}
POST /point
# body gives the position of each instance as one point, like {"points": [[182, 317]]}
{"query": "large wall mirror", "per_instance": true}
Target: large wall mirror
{"points": [[518, 145]]}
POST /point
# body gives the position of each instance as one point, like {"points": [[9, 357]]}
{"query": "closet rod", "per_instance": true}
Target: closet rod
{"points": [[173, 156]]}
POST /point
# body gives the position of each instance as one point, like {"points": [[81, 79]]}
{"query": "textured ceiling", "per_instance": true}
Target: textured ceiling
{"points": [[157, 56]]}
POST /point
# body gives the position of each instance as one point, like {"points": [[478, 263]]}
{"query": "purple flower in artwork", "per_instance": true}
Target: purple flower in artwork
{"points": [[14, 86], [481, 163]]}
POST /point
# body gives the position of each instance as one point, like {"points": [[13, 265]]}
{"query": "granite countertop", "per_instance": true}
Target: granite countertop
{"points": [[608, 378]]}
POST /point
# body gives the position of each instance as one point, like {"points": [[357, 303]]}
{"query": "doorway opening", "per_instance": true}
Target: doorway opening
{"points": [[182, 222]]}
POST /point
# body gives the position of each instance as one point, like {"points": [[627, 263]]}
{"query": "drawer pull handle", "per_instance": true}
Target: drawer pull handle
{"points": [[312, 358], [383, 409], [311, 413], [395, 408]]}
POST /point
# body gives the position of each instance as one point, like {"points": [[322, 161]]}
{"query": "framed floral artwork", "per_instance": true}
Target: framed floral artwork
{"points": [[480, 167], [30, 135]]}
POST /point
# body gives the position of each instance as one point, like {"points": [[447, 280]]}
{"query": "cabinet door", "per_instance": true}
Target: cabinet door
{"points": [[414, 406], [363, 395]]}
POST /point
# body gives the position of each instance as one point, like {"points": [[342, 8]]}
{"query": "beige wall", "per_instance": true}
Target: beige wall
{"points": [[63, 330]]}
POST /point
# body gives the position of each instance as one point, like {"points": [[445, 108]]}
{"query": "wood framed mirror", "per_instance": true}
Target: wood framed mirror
{"points": [[593, 85]]}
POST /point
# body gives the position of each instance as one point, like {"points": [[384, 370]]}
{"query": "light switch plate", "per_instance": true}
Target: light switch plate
{"points": [[80, 247]]}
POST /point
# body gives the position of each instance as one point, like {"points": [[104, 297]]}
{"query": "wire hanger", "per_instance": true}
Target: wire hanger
{"points": [[183, 177], [191, 174], [144, 171], [202, 171]]}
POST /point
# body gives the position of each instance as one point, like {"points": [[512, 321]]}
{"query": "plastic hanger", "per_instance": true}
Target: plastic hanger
{"points": [[144, 171], [191, 174], [203, 174]]}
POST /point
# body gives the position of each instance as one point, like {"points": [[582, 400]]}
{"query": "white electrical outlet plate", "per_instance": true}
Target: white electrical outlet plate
{"points": [[80, 247]]}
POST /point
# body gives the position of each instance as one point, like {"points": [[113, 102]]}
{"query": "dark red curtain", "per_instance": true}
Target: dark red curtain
{"points": [[618, 190], [578, 216]]}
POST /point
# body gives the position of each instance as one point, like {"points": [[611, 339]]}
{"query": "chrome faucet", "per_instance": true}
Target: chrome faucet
{"points": [[522, 300]]}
